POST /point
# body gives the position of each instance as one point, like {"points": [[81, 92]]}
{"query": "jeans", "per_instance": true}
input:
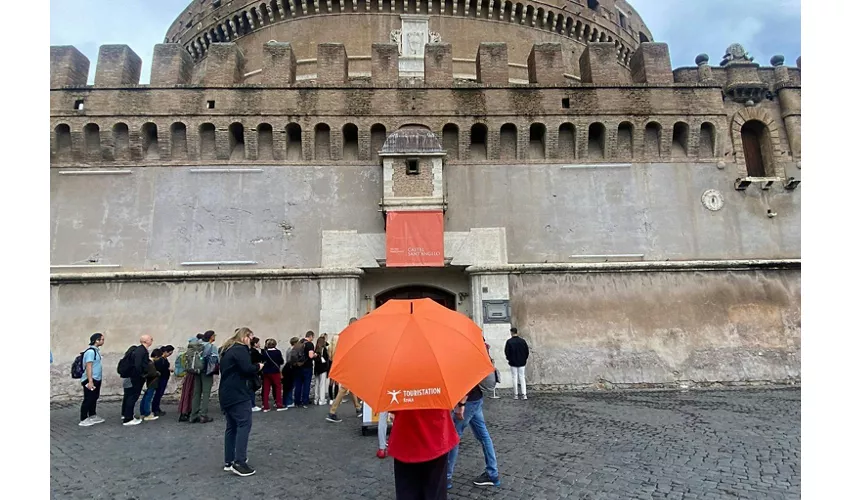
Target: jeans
{"points": [[473, 416], [131, 395], [89, 406], [238, 417], [382, 430], [272, 383], [147, 399], [201, 396], [157, 398], [518, 374], [288, 386], [303, 376]]}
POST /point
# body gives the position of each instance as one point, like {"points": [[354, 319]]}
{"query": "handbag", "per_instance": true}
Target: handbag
{"points": [[255, 382]]}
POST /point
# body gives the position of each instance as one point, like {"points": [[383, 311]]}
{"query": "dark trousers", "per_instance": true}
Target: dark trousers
{"points": [[303, 376], [422, 481], [238, 417], [288, 383], [157, 398], [89, 407], [131, 396]]}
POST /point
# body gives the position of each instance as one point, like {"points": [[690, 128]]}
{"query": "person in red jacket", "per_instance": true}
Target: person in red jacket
{"points": [[420, 444]]}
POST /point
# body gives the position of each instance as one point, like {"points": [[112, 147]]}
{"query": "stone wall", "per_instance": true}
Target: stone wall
{"points": [[659, 328], [171, 312]]}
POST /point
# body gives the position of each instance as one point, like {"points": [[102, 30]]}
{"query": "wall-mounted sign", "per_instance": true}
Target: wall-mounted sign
{"points": [[497, 311], [415, 239]]}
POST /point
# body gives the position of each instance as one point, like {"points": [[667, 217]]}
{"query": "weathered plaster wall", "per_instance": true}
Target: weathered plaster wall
{"points": [[551, 213], [659, 327], [171, 313]]}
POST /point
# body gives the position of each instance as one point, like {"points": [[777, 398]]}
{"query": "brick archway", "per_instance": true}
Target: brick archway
{"points": [[738, 121]]}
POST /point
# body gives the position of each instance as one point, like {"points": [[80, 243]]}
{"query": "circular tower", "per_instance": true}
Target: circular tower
{"points": [[410, 23]]}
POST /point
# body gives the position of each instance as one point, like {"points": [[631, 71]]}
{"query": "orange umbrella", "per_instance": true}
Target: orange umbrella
{"points": [[411, 355]]}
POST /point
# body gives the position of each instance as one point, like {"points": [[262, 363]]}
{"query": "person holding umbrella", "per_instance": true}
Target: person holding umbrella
{"points": [[423, 359]]}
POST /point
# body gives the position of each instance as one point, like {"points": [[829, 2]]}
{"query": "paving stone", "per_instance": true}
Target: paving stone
{"points": [[672, 445]]}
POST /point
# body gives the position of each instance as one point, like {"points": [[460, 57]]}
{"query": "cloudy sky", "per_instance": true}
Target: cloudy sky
{"points": [[690, 27]]}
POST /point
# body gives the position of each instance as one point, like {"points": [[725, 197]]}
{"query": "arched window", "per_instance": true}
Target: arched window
{"points": [[450, 141], [507, 142], [478, 142], [706, 140], [179, 147], [293, 142], [680, 140], [567, 141], [63, 140], [652, 140], [596, 141], [350, 145], [643, 37], [207, 141], [758, 151], [322, 141], [625, 148], [236, 139], [91, 133], [265, 142], [593, 4], [378, 135], [150, 142], [121, 141], [537, 141]]}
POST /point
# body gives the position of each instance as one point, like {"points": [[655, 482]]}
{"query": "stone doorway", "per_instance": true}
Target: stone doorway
{"points": [[442, 297]]}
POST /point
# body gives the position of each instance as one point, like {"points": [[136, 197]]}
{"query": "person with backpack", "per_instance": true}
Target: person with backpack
{"points": [[301, 358], [234, 394], [133, 368], [152, 383], [516, 351], [90, 370], [204, 378], [322, 367], [188, 389], [469, 412], [288, 376], [273, 360], [163, 366]]}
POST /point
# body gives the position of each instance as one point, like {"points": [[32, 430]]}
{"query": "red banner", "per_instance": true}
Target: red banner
{"points": [[415, 239]]}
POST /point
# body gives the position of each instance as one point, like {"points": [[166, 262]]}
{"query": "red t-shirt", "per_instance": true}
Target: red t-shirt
{"points": [[422, 435]]}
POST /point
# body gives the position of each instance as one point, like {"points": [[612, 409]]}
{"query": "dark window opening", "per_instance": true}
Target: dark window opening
{"points": [[565, 103], [596, 141], [293, 142], [756, 142], [593, 4], [79, 105], [210, 104], [643, 38], [537, 142], [478, 142], [350, 143], [412, 165], [207, 141], [236, 137], [150, 142], [623, 23]]}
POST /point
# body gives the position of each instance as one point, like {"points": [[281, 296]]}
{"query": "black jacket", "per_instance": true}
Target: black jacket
{"points": [[516, 350], [236, 370], [273, 361], [141, 360], [320, 367]]}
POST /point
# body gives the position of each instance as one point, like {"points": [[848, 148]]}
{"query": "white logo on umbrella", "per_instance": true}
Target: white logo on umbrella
{"points": [[394, 394]]}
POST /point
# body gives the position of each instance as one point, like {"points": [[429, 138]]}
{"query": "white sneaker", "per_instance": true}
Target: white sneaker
{"points": [[280, 409], [516, 397], [290, 406], [150, 418], [85, 423], [256, 408], [322, 403], [96, 420], [135, 421], [524, 396]]}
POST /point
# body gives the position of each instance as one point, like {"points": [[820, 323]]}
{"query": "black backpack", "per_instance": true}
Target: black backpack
{"points": [[77, 367], [298, 354], [125, 366]]}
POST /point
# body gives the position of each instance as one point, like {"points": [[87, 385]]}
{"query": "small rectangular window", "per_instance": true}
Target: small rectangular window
{"points": [[413, 166], [565, 103], [622, 20], [79, 105], [210, 104]]}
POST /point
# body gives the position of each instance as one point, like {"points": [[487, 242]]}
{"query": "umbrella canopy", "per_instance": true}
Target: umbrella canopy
{"points": [[411, 355]]}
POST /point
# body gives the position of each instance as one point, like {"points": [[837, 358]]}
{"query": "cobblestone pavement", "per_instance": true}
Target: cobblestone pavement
{"points": [[697, 444]]}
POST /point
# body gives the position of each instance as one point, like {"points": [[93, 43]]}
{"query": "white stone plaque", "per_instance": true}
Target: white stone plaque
{"points": [[412, 39]]}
